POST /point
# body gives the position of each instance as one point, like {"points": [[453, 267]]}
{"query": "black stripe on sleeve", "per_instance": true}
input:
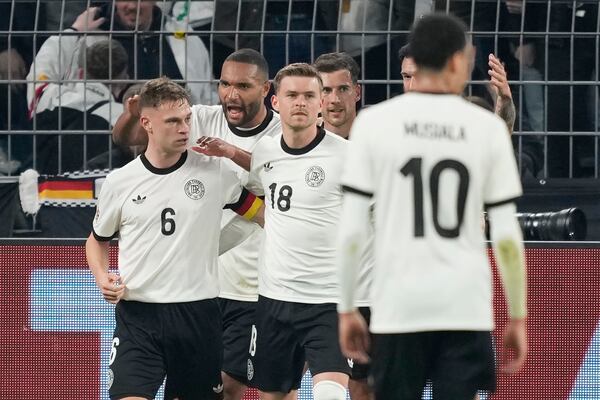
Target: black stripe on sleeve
{"points": [[487, 206], [238, 204], [104, 238], [356, 191]]}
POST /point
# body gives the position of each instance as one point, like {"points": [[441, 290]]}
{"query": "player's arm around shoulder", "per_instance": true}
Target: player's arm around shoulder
{"points": [[217, 147]]}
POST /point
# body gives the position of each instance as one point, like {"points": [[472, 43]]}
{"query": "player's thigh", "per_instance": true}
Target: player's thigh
{"points": [[136, 364], [399, 365], [464, 365], [317, 325], [238, 319], [276, 358], [193, 346]]}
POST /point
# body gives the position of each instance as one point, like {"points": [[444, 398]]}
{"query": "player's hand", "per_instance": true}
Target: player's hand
{"points": [[86, 21], [354, 336], [212, 146], [515, 343], [498, 78], [514, 6], [111, 286], [132, 106]]}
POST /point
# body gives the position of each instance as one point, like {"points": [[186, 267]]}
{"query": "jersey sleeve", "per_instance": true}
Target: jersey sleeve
{"points": [[358, 170], [502, 184], [108, 214]]}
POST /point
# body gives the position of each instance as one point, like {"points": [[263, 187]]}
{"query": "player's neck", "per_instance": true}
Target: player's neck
{"points": [[434, 83], [258, 118], [342, 130], [297, 139], [161, 159]]}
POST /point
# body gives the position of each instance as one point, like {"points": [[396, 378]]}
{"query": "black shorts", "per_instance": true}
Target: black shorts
{"points": [[238, 319], [180, 340], [288, 334], [361, 371], [459, 363]]}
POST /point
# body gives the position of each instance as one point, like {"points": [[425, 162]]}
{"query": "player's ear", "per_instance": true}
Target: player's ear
{"points": [[266, 87], [146, 124], [358, 90], [275, 103]]}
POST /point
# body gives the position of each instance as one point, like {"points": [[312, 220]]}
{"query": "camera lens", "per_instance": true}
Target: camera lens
{"points": [[565, 225]]}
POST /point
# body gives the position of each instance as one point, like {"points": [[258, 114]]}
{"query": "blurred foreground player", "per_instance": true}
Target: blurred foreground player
{"points": [[431, 161]]}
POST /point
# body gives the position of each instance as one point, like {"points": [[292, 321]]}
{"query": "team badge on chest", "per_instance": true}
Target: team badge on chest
{"points": [[314, 176], [194, 189]]}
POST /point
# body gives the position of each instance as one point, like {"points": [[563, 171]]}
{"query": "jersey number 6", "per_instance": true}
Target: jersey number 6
{"points": [[167, 225]]}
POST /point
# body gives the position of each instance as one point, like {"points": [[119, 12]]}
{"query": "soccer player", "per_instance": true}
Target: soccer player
{"points": [[241, 119], [505, 107], [298, 171], [341, 91], [165, 206], [431, 161]]}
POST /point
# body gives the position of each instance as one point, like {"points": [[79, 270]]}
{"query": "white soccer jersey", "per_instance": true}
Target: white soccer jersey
{"points": [[168, 222], [302, 209], [431, 162], [238, 274]]}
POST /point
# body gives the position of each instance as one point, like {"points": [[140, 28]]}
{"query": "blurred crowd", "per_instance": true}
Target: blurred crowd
{"points": [[68, 65]]}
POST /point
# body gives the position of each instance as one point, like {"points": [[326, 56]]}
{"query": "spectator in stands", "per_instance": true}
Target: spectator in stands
{"points": [[177, 56], [376, 15], [61, 14], [15, 56], [279, 49], [84, 105]]}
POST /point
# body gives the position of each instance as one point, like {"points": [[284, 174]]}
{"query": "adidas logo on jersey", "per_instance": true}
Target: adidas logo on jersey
{"points": [[268, 167], [139, 199], [218, 388]]}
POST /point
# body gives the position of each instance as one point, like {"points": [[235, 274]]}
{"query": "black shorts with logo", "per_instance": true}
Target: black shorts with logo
{"points": [[287, 334], [180, 340], [238, 319], [361, 371], [459, 363]]}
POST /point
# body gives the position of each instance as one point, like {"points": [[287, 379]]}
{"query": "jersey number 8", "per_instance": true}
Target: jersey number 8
{"points": [[284, 200]]}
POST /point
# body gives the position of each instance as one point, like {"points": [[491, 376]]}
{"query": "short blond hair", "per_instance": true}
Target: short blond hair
{"points": [[297, 69], [160, 90]]}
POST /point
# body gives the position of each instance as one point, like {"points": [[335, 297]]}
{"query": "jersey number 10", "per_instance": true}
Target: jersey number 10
{"points": [[414, 167]]}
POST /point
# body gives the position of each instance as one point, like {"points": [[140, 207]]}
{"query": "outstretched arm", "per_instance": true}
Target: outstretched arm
{"points": [[505, 107]]}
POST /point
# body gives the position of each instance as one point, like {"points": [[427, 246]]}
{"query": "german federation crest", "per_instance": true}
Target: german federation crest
{"points": [[194, 189], [314, 176]]}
